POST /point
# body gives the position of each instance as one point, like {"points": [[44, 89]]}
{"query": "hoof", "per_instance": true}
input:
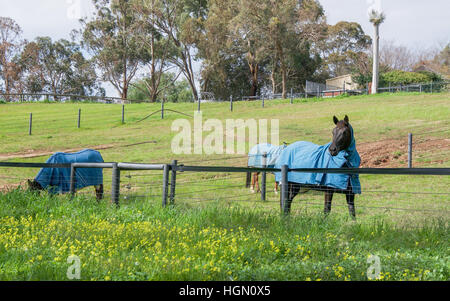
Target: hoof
{"points": [[276, 191], [252, 191]]}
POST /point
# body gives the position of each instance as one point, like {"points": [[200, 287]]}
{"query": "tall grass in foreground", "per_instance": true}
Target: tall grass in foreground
{"points": [[142, 241]]}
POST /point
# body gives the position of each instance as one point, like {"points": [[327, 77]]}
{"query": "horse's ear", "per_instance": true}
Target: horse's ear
{"points": [[346, 119], [336, 120]]}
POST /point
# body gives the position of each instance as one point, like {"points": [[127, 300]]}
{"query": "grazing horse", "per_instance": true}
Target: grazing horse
{"points": [[256, 159], [340, 153], [57, 180]]}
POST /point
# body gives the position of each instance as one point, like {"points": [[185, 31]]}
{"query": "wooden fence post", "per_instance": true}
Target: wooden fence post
{"points": [[73, 179], [231, 103], [30, 127], [123, 114], [115, 185], [410, 143], [284, 190], [263, 101], [173, 182], [79, 118], [264, 178], [165, 191], [292, 96], [162, 109]]}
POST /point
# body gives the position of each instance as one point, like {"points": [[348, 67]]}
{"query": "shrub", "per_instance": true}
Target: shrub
{"points": [[433, 77], [404, 77]]}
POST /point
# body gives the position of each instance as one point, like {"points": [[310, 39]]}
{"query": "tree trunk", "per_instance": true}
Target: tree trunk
{"points": [[254, 72], [283, 70], [272, 77], [283, 77], [154, 97], [125, 92], [7, 89]]}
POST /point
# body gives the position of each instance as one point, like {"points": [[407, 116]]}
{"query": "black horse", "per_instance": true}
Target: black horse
{"points": [[342, 138]]}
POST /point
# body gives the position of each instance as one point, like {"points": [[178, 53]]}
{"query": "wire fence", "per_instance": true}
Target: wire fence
{"points": [[423, 192], [33, 123], [312, 89], [62, 98]]}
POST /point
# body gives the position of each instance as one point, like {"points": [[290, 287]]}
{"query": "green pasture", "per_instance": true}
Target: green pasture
{"points": [[142, 241], [374, 118], [403, 219]]}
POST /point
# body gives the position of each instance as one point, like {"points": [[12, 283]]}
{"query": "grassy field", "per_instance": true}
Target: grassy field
{"points": [[141, 241], [219, 230]]}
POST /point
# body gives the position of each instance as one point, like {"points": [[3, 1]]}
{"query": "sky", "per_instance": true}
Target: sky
{"points": [[417, 24]]}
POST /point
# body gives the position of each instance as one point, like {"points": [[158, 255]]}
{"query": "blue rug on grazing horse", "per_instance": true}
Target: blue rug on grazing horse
{"points": [[309, 155], [57, 180], [255, 156]]}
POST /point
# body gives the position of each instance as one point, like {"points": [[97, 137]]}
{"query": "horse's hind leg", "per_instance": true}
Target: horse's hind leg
{"points": [[252, 186], [328, 201], [258, 189], [248, 180], [351, 204], [255, 184]]}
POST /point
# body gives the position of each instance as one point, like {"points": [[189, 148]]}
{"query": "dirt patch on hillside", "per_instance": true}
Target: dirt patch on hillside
{"points": [[35, 154], [394, 153], [5, 188]]}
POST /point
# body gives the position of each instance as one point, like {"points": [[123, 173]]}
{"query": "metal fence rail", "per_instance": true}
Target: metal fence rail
{"points": [[170, 179]]}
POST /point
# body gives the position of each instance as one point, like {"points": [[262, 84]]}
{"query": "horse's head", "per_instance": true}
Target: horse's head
{"points": [[34, 185], [342, 136]]}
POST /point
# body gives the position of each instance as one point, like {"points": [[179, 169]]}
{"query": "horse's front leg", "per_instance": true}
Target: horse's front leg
{"points": [[276, 188], [99, 192], [293, 190], [328, 201], [351, 204]]}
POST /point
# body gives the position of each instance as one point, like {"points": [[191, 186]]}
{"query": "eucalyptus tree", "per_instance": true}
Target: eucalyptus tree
{"points": [[376, 18], [180, 22], [345, 44], [114, 38], [277, 31], [57, 67], [224, 69], [10, 46]]}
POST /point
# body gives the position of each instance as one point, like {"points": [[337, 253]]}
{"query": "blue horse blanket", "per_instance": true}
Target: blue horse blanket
{"points": [[57, 180], [309, 155], [255, 156]]}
